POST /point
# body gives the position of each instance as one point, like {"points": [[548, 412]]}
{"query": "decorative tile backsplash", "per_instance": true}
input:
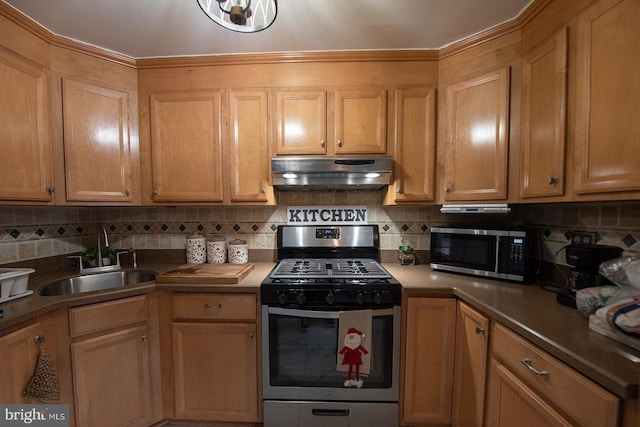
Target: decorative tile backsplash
{"points": [[38, 232]]}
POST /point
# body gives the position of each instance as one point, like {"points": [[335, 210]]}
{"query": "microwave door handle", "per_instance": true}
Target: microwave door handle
{"points": [[312, 314], [495, 267]]}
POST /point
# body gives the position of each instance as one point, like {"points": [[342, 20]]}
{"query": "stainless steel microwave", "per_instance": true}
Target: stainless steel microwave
{"points": [[501, 254]]}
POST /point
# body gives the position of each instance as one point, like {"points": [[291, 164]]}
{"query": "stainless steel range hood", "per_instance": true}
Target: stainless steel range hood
{"points": [[331, 173]]}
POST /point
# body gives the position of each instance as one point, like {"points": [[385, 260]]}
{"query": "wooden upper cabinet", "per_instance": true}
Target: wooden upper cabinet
{"points": [[25, 134], [300, 118], [186, 146], [543, 136], [415, 145], [249, 146], [361, 121], [97, 154], [340, 121], [607, 100], [476, 137]]}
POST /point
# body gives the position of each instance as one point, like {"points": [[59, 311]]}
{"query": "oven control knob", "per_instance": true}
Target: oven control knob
{"points": [[331, 298], [282, 298], [300, 298], [360, 298], [377, 298]]}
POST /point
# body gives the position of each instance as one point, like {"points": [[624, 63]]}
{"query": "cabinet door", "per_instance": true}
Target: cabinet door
{"points": [[249, 146], [429, 349], [544, 87], [18, 358], [96, 143], [215, 371], [510, 402], [476, 137], [112, 379], [300, 121], [360, 121], [607, 104], [472, 346], [25, 135], [415, 144], [186, 146]]}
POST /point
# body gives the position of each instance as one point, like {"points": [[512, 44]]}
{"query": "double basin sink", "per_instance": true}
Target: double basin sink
{"points": [[96, 281]]}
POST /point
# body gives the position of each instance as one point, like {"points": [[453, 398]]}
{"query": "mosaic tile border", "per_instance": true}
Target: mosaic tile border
{"points": [[27, 233]]}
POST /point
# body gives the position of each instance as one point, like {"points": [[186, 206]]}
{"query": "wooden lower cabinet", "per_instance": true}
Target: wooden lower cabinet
{"points": [[214, 343], [112, 379], [528, 387], [428, 365], [112, 366], [472, 346], [513, 403], [215, 371], [19, 351]]}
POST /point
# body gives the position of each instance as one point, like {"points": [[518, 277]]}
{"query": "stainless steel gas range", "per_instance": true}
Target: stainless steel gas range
{"points": [[330, 330]]}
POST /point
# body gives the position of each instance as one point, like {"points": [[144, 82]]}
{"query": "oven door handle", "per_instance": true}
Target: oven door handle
{"points": [[312, 314]]}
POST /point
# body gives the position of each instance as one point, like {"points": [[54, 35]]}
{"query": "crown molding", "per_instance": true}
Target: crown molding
{"points": [[94, 51], [290, 57], [25, 22]]}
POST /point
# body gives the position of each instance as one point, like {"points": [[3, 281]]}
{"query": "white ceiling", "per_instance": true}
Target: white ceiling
{"points": [[160, 28]]}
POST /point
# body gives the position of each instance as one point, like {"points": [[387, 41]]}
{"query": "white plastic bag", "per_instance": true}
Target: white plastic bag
{"points": [[624, 271]]}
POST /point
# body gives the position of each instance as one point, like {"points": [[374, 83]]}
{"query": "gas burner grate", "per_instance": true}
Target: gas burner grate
{"points": [[329, 268]]}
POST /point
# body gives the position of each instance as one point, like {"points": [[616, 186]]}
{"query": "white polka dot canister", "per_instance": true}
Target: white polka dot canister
{"points": [[196, 249], [238, 252], [216, 250]]}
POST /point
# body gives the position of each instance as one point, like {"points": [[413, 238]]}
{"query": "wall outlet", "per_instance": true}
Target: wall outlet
{"points": [[583, 237]]}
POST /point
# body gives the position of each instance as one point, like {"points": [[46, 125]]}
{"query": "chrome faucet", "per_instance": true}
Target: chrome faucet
{"points": [[101, 230]]}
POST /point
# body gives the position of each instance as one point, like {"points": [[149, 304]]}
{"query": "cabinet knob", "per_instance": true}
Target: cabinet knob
{"points": [[154, 192], [479, 330], [553, 180], [213, 306], [51, 189], [322, 143], [127, 191], [251, 337], [144, 338], [339, 143], [398, 189], [263, 190], [447, 189]]}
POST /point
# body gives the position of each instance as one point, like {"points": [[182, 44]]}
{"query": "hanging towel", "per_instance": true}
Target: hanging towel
{"points": [[355, 346], [43, 385]]}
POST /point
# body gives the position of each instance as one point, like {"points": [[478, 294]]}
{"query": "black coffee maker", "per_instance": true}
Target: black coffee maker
{"points": [[585, 260]]}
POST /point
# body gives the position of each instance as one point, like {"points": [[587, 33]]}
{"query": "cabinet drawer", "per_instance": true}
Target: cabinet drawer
{"points": [[581, 399], [106, 315], [214, 306]]}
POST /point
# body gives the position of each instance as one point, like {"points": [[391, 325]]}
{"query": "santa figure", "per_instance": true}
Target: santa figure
{"points": [[352, 352]]}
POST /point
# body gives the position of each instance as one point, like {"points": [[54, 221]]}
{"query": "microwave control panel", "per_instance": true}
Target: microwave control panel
{"points": [[513, 254]]}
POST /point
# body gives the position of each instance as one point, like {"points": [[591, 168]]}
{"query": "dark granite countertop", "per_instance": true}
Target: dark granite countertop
{"points": [[526, 309]]}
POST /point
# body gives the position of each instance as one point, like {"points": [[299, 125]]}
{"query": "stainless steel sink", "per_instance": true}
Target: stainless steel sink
{"points": [[95, 282]]}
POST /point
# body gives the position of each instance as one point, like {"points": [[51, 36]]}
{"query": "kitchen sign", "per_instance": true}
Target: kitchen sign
{"points": [[316, 215]]}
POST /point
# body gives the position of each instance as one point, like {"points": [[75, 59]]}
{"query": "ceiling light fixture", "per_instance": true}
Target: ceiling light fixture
{"points": [[239, 15]]}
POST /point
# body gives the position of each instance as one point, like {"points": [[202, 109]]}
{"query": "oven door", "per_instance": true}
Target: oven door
{"points": [[300, 350]]}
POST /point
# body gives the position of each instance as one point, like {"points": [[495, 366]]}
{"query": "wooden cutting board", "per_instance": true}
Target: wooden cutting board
{"points": [[206, 274]]}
